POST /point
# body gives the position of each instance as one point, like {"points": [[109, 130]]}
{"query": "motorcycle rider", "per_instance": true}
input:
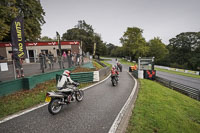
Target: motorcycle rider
{"points": [[65, 80], [114, 71]]}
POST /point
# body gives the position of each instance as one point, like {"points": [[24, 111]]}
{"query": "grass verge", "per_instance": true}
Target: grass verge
{"points": [[107, 64], [24, 99], [27, 98], [178, 73], [160, 109]]}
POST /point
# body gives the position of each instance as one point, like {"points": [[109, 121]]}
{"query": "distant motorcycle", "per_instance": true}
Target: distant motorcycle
{"points": [[62, 97]]}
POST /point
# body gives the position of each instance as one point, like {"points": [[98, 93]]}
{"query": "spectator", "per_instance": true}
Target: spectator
{"points": [[18, 65], [60, 61], [50, 60], [69, 59], [42, 59]]}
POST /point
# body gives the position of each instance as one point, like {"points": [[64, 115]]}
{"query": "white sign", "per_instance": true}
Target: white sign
{"points": [[4, 66]]}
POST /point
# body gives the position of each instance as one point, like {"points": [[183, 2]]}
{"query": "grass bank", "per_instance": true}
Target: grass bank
{"points": [[178, 73], [160, 109]]}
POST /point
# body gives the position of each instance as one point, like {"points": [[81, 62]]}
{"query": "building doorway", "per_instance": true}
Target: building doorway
{"points": [[31, 55]]}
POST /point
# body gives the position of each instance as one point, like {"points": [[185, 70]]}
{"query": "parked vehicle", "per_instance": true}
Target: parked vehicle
{"points": [[63, 97]]}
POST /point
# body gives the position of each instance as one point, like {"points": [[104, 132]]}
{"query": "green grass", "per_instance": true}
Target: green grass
{"points": [[107, 64], [127, 62], [160, 109], [24, 99], [97, 65], [178, 73]]}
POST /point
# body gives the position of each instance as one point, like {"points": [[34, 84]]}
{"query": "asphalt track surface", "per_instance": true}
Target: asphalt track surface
{"points": [[95, 114], [188, 81]]}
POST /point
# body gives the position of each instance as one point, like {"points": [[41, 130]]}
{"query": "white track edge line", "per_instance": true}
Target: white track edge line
{"points": [[124, 108], [41, 105]]}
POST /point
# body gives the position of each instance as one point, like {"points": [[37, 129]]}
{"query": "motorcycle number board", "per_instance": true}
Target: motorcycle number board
{"points": [[47, 99]]}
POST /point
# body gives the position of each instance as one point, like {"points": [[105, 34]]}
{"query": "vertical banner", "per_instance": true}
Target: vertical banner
{"points": [[94, 49], [17, 36]]}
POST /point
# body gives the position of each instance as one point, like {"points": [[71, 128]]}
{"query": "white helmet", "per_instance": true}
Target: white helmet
{"points": [[66, 73]]}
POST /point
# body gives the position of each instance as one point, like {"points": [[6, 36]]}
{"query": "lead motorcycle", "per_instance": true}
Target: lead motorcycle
{"points": [[114, 76], [62, 97]]}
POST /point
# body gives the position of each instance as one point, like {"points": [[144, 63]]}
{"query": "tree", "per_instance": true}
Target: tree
{"points": [[184, 50], [157, 49], [134, 43], [85, 33], [32, 12], [46, 38]]}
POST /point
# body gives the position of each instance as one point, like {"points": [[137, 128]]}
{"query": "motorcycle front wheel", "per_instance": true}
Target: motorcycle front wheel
{"points": [[79, 95], [114, 82], [54, 106]]}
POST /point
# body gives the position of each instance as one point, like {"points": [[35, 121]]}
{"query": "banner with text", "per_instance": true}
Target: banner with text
{"points": [[17, 36]]}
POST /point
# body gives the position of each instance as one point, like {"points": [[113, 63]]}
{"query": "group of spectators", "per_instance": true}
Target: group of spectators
{"points": [[46, 58], [72, 59]]}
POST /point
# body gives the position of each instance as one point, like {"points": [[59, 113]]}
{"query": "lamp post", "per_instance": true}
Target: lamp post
{"points": [[59, 46]]}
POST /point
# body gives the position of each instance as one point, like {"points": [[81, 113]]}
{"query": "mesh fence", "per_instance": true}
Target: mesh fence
{"points": [[32, 66]]}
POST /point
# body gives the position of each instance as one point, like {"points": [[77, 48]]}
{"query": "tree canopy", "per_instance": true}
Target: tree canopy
{"points": [[134, 43], [32, 12], [184, 50], [157, 49], [85, 33]]}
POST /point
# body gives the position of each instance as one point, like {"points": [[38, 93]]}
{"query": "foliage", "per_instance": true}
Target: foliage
{"points": [[46, 38], [184, 50], [134, 43], [85, 33], [157, 49], [32, 12], [160, 109]]}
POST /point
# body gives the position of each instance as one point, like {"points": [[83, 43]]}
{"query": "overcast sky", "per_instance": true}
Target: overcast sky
{"points": [[110, 18]]}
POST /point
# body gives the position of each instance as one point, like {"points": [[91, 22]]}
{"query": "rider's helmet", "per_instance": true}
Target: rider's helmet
{"points": [[113, 67], [66, 73]]}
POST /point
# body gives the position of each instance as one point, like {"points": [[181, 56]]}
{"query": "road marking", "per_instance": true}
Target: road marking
{"points": [[124, 108], [41, 105]]}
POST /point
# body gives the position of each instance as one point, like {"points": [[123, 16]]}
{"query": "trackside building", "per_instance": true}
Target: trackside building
{"points": [[34, 48]]}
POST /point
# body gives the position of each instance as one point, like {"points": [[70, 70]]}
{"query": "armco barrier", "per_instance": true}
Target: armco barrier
{"points": [[187, 90]]}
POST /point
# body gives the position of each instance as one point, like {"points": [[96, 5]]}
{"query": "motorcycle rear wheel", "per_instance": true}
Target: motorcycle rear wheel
{"points": [[79, 95], [54, 107]]}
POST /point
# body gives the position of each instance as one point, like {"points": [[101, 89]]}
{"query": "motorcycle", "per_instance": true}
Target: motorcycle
{"points": [[114, 78], [62, 97]]}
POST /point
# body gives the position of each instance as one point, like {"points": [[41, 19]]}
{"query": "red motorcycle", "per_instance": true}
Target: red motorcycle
{"points": [[114, 76]]}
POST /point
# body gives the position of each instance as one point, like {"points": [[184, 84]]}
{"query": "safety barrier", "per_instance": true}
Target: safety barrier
{"points": [[27, 83], [178, 70], [187, 90]]}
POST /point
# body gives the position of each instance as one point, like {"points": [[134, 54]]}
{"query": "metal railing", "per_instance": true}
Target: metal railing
{"points": [[187, 90]]}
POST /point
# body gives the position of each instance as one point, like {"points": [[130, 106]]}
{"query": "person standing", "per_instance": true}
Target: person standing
{"points": [[42, 59], [51, 60], [18, 65], [60, 61], [69, 59]]}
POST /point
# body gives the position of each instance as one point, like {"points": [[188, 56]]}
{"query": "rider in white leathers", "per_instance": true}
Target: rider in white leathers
{"points": [[65, 80]]}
